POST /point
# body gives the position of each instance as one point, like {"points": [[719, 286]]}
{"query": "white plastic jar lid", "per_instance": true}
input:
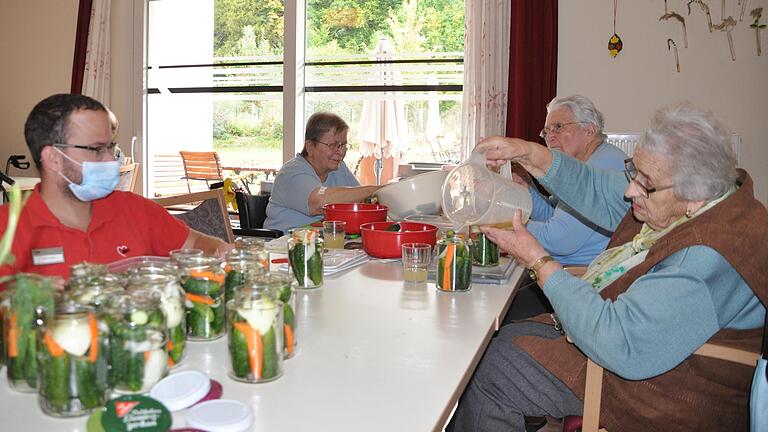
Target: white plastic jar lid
{"points": [[221, 415], [181, 389]]}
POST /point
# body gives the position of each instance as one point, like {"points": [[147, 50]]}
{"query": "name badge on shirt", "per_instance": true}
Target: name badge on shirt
{"points": [[53, 255]]}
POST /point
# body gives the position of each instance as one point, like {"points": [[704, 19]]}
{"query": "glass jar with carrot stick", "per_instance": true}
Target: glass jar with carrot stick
{"points": [[485, 253], [305, 257], [86, 273], [172, 298], [255, 246], [237, 263], [202, 278], [72, 359], [282, 288], [30, 297], [138, 356], [255, 340], [454, 263]]}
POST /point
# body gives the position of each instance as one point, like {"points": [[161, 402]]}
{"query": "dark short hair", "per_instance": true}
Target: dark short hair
{"points": [[48, 122], [320, 123]]}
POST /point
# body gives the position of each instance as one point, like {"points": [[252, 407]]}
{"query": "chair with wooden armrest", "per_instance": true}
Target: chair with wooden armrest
{"points": [[208, 216], [593, 391]]}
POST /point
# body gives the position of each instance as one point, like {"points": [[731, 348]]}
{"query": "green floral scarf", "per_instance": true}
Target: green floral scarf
{"points": [[614, 262]]}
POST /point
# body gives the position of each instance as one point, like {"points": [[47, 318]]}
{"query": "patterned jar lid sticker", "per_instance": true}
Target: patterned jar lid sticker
{"points": [[135, 413]]}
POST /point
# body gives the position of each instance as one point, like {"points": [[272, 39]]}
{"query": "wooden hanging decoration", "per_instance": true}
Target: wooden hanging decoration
{"points": [[743, 4], [705, 9], [671, 44], [614, 43], [757, 13], [677, 16], [727, 26]]}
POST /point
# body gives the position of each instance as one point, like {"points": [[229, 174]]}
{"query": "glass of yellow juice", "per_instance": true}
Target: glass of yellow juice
{"points": [[416, 257], [333, 234]]}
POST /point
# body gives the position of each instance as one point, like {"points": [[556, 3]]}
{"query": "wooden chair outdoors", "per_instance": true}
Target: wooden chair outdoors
{"points": [[209, 214], [201, 166], [128, 175]]}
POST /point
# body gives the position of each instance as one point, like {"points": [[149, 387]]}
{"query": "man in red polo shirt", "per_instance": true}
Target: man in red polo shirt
{"points": [[74, 214]]}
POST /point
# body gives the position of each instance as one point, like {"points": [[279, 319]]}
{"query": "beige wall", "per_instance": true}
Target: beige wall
{"points": [[642, 78], [37, 39]]}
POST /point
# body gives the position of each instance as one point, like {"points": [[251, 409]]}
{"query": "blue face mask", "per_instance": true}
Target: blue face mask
{"points": [[99, 179]]}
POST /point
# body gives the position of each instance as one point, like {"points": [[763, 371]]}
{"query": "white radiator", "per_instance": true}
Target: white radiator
{"points": [[628, 141]]}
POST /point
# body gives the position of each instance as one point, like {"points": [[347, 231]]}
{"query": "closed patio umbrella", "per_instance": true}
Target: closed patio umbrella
{"points": [[382, 131]]}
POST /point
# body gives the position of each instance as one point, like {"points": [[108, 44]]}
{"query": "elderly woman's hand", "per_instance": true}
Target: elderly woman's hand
{"points": [[518, 243], [498, 150]]}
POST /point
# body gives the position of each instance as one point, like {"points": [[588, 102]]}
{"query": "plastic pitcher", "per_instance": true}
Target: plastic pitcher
{"points": [[475, 195]]}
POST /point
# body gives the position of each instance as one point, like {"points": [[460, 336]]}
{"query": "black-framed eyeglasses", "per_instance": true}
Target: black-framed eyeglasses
{"points": [[110, 149], [555, 128], [335, 146], [630, 171]]}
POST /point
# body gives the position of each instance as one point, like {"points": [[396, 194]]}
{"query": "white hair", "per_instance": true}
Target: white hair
{"points": [[698, 148], [584, 110]]}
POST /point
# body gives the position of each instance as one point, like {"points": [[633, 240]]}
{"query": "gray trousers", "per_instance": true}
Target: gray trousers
{"points": [[508, 384]]}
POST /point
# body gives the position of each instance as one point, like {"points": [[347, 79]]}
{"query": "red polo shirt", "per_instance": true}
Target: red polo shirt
{"points": [[122, 225]]}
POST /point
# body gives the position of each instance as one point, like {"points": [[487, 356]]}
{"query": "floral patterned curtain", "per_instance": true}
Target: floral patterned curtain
{"points": [[486, 71], [96, 76]]}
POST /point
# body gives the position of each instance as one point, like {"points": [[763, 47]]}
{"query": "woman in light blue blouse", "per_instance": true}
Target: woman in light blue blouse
{"points": [[686, 268]]}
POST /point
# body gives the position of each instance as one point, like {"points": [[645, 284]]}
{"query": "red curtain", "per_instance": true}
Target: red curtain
{"points": [[532, 66], [81, 45]]}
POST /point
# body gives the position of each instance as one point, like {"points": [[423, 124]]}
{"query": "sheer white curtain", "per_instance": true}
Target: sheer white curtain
{"points": [[486, 71], [97, 68]]}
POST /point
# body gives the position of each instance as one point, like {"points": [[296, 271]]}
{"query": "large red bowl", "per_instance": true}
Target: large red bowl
{"points": [[389, 244], [355, 214]]}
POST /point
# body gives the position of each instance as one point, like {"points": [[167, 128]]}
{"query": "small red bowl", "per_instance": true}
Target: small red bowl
{"points": [[355, 214], [389, 244]]}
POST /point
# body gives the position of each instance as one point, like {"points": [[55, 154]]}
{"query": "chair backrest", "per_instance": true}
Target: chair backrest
{"points": [[210, 216], [128, 175], [594, 385], [252, 209], [201, 165]]}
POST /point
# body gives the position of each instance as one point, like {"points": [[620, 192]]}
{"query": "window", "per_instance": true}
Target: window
{"points": [[215, 78]]}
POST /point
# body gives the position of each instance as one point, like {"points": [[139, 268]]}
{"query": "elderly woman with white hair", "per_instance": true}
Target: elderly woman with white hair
{"points": [[573, 126], [684, 267]]}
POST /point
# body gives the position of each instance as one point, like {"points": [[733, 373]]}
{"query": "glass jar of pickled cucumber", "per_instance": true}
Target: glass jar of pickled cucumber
{"points": [[256, 246], [138, 356], [485, 253], [305, 257], [237, 263], [281, 286], [86, 273], [94, 292], [172, 300], [72, 359], [202, 278], [255, 340], [454, 263], [30, 297]]}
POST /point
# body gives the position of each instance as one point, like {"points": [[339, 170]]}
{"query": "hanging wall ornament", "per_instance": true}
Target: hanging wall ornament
{"points": [[705, 9], [671, 44], [727, 26], [757, 13], [614, 43], [677, 16]]}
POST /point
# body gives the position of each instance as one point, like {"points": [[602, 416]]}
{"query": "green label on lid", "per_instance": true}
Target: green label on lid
{"points": [[134, 413]]}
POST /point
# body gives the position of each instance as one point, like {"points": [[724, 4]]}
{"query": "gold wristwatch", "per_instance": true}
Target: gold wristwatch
{"points": [[537, 265]]}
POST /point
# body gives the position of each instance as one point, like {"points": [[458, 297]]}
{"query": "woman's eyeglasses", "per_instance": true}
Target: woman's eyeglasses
{"points": [[630, 171], [335, 146], [554, 129]]}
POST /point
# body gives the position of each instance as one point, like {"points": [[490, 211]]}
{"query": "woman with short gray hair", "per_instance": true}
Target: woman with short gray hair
{"points": [[685, 267], [583, 109]]}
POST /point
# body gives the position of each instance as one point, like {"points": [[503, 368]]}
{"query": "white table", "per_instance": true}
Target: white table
{"points": [[374, 354]]}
